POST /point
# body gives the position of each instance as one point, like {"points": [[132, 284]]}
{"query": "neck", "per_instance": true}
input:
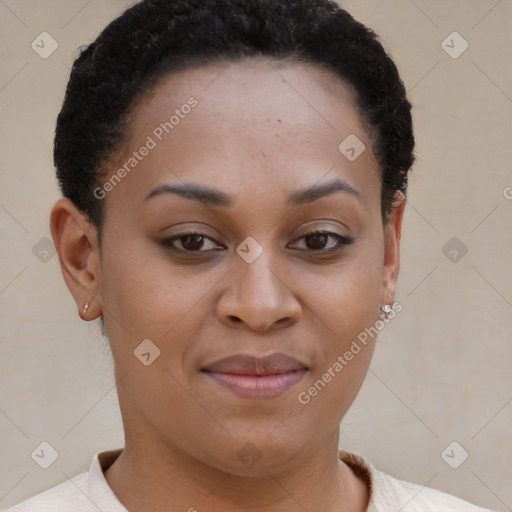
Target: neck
{"points": [[151, 476]]}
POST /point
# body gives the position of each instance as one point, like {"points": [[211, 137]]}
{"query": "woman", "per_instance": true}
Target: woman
{"points": [[234, 177]]}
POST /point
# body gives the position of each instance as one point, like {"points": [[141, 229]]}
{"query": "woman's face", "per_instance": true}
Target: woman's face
{"points": [[252, 280]]}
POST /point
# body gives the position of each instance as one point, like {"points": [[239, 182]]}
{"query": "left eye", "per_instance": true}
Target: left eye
{"points": [[316, 241]]}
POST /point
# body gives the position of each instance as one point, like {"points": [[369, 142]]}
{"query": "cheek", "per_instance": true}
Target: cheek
{"points": [[144, 293], [346, 297], [344, 307]]}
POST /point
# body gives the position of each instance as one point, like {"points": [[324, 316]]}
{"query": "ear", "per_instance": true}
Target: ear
{"points": [[76, 242], [392, 234]]}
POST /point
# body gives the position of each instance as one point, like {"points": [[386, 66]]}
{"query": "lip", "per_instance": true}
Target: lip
{"points": [[257, 377]]}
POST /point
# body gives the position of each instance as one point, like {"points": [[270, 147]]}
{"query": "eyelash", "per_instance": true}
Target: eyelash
{"points": [[343, 241]]}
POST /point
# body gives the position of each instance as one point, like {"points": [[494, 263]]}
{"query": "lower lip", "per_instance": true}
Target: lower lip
{"points": [[252, 386]]}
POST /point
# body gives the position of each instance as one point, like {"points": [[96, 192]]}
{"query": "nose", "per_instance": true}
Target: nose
{"points": [[259, 296]]}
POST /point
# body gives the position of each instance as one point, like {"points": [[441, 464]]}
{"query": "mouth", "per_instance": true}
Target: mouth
{"points": [[257, 378]]}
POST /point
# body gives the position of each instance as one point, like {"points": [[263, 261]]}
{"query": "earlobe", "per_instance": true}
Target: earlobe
{"points": [[75, 240], [392, 236]]}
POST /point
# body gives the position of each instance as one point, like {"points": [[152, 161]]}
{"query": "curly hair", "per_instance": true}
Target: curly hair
{"points": [[156, 37]]}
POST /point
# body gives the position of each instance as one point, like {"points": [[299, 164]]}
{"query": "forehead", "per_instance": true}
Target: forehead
{"points": [[257, 87], [255, 122]]}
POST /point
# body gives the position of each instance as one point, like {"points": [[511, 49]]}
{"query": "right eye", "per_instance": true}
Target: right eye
{"points": [[190, 242]]}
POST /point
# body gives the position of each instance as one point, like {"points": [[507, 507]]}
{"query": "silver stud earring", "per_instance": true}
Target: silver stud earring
{"points": [[386, 309], [86, 307]]}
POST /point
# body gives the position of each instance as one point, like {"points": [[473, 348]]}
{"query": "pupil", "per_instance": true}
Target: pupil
{"points": [[319, 241], [193, 246]]}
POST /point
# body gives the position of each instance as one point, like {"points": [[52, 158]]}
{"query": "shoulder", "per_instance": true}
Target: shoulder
{"points": [[390, 494], [85, 492], [411, 497], [70, 495]]}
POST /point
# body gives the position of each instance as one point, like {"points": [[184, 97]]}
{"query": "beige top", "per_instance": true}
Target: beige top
{"points": [[90, 492]]}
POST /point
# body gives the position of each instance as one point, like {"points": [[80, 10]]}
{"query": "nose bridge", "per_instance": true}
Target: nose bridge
{"points": [[255, 274], [259, 278], [257, 294]]}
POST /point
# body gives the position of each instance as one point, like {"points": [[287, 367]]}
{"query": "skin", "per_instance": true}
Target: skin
{"points": [[260, 131]]}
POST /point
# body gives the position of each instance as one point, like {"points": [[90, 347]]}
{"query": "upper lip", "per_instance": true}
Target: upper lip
{"points": [[244, 364]]}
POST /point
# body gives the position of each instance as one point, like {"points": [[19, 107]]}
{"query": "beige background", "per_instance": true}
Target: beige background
{"points": [[442, 369]]}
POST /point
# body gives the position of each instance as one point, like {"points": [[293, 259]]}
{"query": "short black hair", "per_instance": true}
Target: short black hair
{"points": [[156, 37]]}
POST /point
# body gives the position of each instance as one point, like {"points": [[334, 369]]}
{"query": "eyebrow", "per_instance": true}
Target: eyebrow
{"points": [[216, 197]]}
